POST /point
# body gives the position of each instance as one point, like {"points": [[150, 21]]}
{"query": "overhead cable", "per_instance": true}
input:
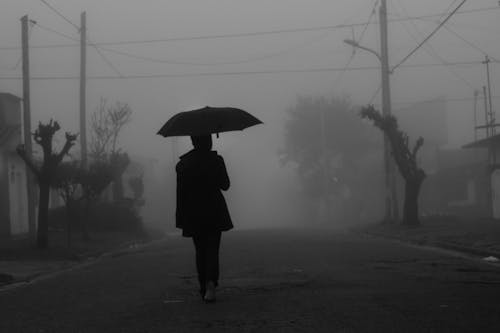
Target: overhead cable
{"points": [[60, 14], [430, 49], [248, 34], [238, 73], [429, 36], [192, 63]]}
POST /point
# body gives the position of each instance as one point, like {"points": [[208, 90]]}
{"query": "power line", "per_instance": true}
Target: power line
{"points": [[429, 48], [455, 33], [351, 58], [60, 14], [238, 73], [372, 14], [178, 62], [462, 38], [250, 34], [414, 104], [375, 94], [429, 36], [56, 32], [104, 58], [469, 43]]}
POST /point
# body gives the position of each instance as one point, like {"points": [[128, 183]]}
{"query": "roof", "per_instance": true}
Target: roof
{"points": [[484, 143], [9, 96]]}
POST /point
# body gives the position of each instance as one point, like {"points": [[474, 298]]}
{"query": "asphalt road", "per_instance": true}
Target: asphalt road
{"points": [[272, 281]]}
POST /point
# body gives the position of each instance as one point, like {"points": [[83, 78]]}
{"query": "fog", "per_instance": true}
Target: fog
{"points": [[255, 73]]}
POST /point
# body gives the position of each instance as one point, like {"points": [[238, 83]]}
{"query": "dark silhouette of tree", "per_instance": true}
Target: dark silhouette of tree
{"points": [[67, 182], [405, 158], [119, 162], [93, 181], [137, 186], [326, 140], [44, 174]]}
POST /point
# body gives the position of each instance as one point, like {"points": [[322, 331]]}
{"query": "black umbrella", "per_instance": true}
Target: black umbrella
{"points": [[208, 120]]}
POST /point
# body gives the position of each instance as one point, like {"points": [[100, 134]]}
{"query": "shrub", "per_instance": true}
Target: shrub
{"points": [[103, 217]]}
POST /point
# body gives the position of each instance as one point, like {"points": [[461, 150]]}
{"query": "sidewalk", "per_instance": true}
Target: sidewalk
{"points": [[20, 262], [478, 237]]}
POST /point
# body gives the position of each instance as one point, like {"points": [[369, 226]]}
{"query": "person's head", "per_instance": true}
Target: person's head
{"points": [[202, 142]]}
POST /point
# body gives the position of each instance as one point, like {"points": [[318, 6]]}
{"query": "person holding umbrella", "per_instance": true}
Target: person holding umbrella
{"points": [[201, 210]]}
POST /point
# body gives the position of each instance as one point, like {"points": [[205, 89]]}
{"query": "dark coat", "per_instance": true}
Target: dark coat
{"points": [[201, 175]]}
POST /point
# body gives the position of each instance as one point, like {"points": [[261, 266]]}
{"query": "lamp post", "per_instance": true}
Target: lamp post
{"points": [[391, 203]]}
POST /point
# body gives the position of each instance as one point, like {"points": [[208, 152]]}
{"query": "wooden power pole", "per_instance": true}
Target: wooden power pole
{"points": [[391, 204], [83, 88], [27, 126]]}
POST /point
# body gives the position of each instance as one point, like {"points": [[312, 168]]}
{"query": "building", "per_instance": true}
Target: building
{"points": [[491, 147], [459, 186], [13, 183]]}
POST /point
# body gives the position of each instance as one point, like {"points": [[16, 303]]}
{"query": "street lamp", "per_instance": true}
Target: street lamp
{"points": [[355, 44], [391, 205]]}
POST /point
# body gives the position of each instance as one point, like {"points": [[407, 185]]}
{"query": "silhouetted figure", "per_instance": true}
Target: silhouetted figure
{"points": [[201, 209]]}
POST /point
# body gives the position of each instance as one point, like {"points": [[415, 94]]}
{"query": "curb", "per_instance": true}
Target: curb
{"points": [[439, 244], [9, 281]]}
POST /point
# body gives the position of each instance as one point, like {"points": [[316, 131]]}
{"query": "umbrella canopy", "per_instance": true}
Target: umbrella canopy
{"points": [[208, 120]]}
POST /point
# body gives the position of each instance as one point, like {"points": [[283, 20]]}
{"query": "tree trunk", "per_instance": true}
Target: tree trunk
{"points": [[69, 216], [412, 189], [43, 216], [85, 219]]}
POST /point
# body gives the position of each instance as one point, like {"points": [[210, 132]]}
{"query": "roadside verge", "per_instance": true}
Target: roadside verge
{"points": [[476, 237]]}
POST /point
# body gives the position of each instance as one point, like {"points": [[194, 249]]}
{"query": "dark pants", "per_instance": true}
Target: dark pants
{"points": [[207, 258]]}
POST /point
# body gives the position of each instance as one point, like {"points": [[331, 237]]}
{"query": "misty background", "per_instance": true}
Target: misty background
{"points": [[262, 73]]}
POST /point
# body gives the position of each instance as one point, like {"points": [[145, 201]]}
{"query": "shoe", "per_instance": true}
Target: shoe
{"points": [[210, 293]]}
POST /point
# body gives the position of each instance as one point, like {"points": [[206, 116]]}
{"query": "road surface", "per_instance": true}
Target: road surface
{"points": [[272, 281]]}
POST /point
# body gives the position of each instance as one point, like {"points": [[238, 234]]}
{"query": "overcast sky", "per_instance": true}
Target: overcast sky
{"points": [[265, 95]]}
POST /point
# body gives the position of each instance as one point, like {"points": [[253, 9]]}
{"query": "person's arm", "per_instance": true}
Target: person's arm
{"points": [[222, 177]]}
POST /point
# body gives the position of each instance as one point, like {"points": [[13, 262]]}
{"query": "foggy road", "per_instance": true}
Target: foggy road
{"points": [[272, 280]]}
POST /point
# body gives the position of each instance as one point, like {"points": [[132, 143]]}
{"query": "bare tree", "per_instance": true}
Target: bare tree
{"points": [[106, 123], [405, 158], [44, 173]]}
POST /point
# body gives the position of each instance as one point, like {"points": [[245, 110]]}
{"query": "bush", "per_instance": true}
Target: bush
{"points": [[103, 216]]}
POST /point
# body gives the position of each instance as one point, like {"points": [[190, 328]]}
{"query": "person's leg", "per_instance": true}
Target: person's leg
{"points": [[200, 244], [212, 264]]}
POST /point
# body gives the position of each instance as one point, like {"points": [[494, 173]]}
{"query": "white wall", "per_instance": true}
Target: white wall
{"points": [[18, 199]]}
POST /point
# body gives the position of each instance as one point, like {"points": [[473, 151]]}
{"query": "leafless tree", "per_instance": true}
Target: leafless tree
{"points": [[107, 122], [405, 158], [44, 173]]}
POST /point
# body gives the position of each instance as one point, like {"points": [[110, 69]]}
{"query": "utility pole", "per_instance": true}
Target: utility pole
{"points": [[476, 94], [391, 202], [486, 113], [27, 126], [83, 88], [490, 104]]}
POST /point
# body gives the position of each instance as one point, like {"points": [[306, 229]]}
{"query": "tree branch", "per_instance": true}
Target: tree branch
{"points": [[21, 151], [70, 141]]}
